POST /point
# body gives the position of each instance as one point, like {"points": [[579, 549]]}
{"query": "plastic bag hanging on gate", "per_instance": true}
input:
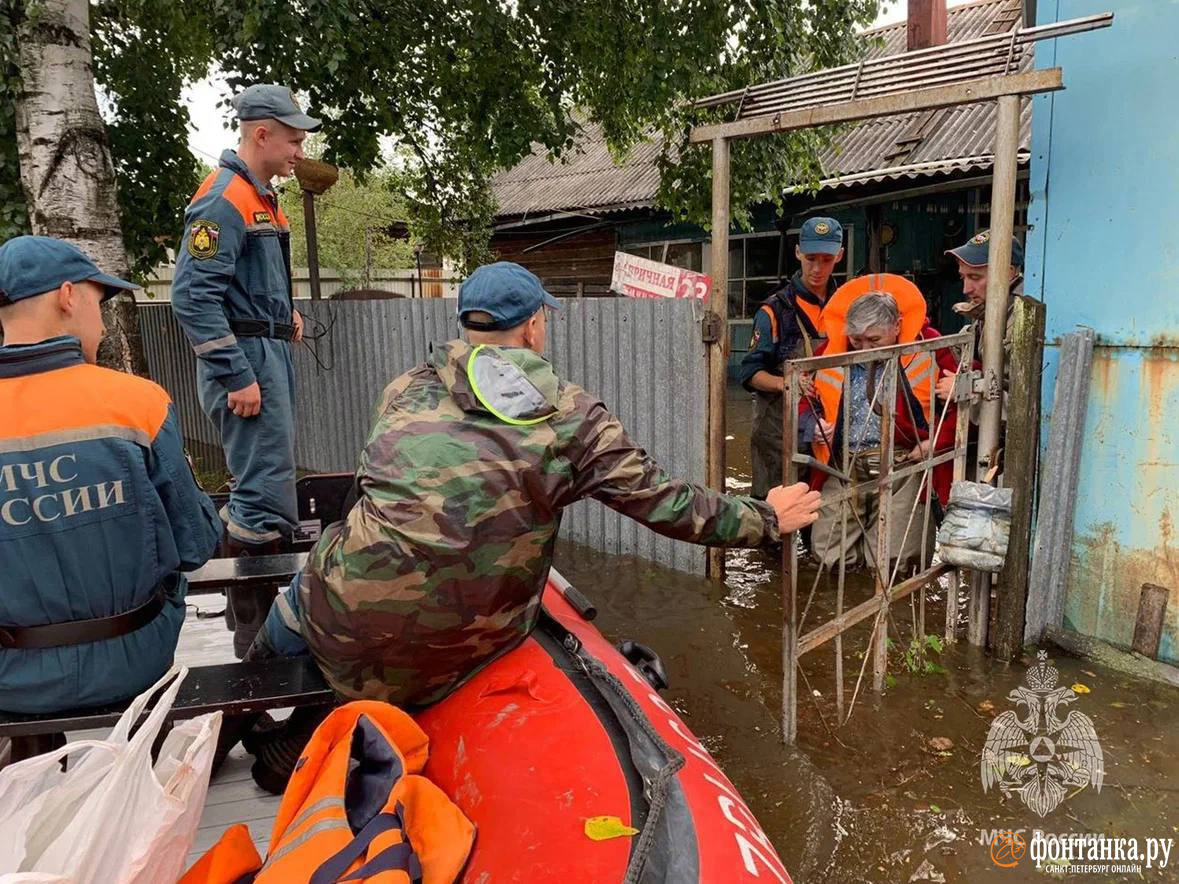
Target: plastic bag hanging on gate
{"points": [[977, 527]]}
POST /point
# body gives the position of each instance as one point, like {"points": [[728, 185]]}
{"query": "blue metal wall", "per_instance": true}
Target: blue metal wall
{"points": [[1103, 253]]}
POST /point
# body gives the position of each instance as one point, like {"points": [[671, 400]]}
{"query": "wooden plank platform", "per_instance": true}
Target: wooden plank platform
{"points": [[233, 797]]}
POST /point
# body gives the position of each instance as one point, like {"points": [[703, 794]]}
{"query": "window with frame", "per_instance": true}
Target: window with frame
{"points": [[753, 271], [679, 253], [753, 268]]}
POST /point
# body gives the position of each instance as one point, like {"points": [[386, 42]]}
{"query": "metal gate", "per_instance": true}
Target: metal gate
{"points": [[857, 475]]}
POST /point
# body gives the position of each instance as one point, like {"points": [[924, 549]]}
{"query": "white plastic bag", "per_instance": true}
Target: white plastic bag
{"points": [[977, 527], [111, 817]]}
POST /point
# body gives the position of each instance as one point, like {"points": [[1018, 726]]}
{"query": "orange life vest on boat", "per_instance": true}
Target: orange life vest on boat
{"points": [[356, 807], [920, 368]]}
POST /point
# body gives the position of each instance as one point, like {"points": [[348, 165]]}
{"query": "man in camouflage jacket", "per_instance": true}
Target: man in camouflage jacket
{"points": [[439, 567]]}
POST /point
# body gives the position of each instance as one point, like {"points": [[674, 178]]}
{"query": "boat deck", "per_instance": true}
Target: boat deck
{"points": [[233, 796]]}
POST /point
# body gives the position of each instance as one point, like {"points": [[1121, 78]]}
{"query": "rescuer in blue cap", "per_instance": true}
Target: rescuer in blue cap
{"points": [[232, 295], [787, 326], [972, 257], [99, 509]]}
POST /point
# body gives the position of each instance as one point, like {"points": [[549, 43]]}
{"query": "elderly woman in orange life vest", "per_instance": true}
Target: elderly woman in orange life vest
{"points": [[857, 319]]}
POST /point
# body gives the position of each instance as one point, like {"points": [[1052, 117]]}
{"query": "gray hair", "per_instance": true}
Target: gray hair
{"points": [[875, 309]]}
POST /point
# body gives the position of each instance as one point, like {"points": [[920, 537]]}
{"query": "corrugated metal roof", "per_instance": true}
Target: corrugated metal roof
{"points": [[935, 142], [952, 137], [588, 181]]}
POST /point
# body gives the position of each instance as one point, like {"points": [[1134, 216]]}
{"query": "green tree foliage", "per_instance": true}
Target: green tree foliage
{"points": [[467, 87], [145, 51], [461, 87]]}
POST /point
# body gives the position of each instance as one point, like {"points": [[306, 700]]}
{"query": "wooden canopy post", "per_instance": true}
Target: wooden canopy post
{"points": [[998, 280], [717, 333]]}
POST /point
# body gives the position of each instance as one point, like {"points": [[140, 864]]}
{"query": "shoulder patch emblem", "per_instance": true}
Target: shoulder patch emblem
{"points": [[202, 239], [756, 339], [263, 218]]}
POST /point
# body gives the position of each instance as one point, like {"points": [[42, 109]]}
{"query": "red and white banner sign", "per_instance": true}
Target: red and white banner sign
{"points": [[642, 278]]}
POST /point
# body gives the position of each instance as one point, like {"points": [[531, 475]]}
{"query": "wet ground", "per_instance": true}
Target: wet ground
{"points": [[895, 794]]}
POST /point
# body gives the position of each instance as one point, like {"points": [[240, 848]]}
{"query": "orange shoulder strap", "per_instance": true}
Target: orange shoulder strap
{"points": [[769, 311], [813, 313]]}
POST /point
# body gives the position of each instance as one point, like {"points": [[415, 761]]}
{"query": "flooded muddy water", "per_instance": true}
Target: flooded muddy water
{"points": [[895, 793]]}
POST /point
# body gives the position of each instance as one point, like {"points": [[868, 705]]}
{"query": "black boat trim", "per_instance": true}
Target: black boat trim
{"points": [[666, 849]]}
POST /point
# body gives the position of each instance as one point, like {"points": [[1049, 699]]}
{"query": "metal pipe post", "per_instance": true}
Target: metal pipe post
{"points": [[790, 653], [718, 350], [998, 280], [961, 440], [994, 329], [884, 553], [312, 242]]}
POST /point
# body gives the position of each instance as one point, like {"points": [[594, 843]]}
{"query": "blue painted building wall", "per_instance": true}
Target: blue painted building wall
{"points": [[1103, 252]]}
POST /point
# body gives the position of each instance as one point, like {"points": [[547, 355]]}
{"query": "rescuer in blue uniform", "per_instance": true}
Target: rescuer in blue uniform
{"points": [[787, 326], [99, 509], [232, 296]]}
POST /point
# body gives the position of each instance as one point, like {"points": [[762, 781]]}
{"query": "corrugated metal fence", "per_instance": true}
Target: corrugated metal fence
{"points": [[643, 358]]}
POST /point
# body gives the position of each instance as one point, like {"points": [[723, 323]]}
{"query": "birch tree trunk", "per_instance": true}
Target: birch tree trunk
{"points": [[65, 161]]}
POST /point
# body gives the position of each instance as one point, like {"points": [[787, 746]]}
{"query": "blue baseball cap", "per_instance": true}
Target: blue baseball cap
{"points": [[266, 101], [976, 249], [34, 265], [505, 291], [820, 236]]}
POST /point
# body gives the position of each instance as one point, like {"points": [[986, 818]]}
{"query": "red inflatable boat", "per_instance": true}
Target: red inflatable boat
{"points": [[564, 729]]}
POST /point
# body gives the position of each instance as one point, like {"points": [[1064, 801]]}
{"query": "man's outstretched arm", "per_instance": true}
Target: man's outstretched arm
{"points": [[608, 466]]}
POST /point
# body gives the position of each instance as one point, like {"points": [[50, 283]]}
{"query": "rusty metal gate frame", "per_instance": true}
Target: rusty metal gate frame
{"points": [[888, 590]]}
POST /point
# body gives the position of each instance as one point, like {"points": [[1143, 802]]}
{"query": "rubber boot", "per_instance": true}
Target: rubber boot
{"points": [[242, 728], [246, 607], [277, 751]]}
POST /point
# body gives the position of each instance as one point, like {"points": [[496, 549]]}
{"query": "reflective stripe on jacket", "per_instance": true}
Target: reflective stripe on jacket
{"points": [[356, 808], [914, 393]]}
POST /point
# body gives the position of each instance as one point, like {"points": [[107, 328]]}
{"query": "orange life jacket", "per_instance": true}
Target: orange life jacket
{"points": [[920, 368], [356, 807], [813, 312], [810, 330]]}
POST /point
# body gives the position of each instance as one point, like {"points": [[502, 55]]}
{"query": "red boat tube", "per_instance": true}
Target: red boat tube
{"points": [[564, 728]]}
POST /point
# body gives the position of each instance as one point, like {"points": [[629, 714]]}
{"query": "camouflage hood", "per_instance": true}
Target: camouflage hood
{"points": [[514, 384]]}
